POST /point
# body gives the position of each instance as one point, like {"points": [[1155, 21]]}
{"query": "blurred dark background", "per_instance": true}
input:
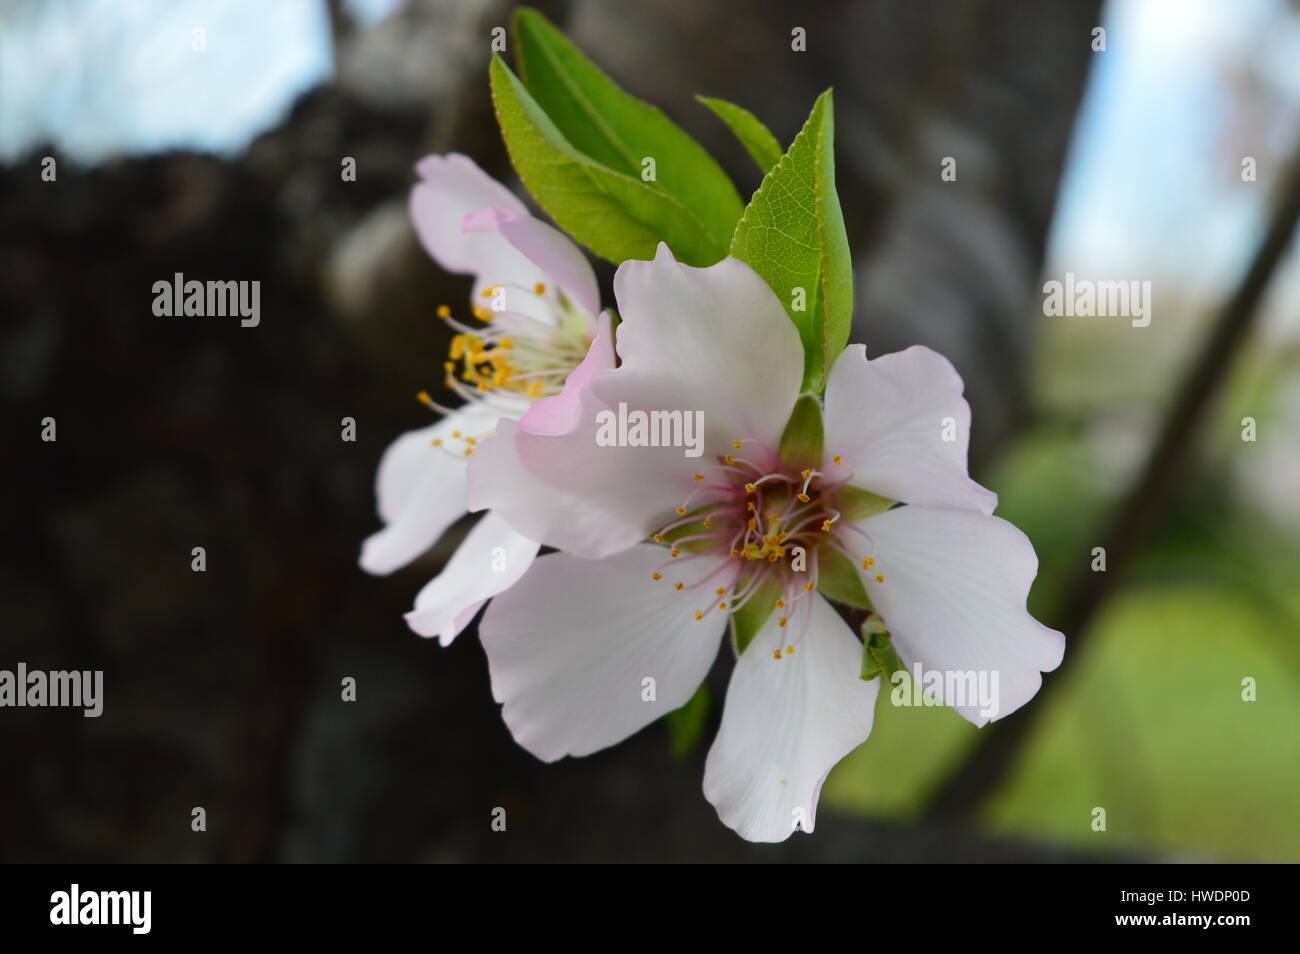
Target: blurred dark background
{"points": [[222, 689]]}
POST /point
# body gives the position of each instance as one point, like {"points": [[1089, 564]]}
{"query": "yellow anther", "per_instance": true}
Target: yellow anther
{"points": [[490, 291], [826, 526], [729, 459], [880, 578], [471, 441], [722, 605], [868, 562], [437, 442], [444, 311], [805, 474], [656, 576], [681, 511], [539, 288], [697, 477], [481, 313], [736, 444], [751, 488], [752, 524], [658, 538], [534, 389], [468, 451], [423, 398], [780, 603], [776, 654], [732, 553], [808, 587], [678, 586], [803, 498], [781, 621], [708, 524], [837, 458], [720, 590], [750, 507], [673, 552], [789, 650], [699, 615], [455, 434]]}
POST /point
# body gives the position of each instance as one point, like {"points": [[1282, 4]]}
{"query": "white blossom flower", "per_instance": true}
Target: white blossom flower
{"points": [[535, 343], [661, 549]]}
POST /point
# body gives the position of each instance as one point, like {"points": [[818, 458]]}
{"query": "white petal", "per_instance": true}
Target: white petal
{"points": [[452, 189], [888, 419], [786, 723], [714, 339], [568, 491], [421, 490], [490, 560], [953, 598], [571, 645], [553, 252]]}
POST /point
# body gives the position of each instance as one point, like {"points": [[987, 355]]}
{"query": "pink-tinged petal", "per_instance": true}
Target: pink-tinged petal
{"points": [[452, 187], [490, 560], [571, 646], [568, 491], [420, 490], [786, 723], [714, 339], [887, 419], [558, 413], [554, 254], [953, 598]]}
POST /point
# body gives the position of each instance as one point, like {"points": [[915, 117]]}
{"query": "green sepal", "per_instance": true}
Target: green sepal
{"points": [[854, 503], [879, 658], [685, 725], [838, 579], [749, 619], [804, 437]]}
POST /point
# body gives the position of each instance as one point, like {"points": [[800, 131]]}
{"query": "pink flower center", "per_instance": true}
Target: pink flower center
{"points": [[759, 531]]}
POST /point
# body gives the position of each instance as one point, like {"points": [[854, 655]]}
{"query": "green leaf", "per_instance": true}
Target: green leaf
{"points": [[757, 139], [838, 579], [749, 619], [620, 132], [803, 437], [792, 233], [615, 215], [686, 725]]}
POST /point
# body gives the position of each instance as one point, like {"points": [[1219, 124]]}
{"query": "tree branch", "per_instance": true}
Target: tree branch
{"points": [[989, 762]]}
